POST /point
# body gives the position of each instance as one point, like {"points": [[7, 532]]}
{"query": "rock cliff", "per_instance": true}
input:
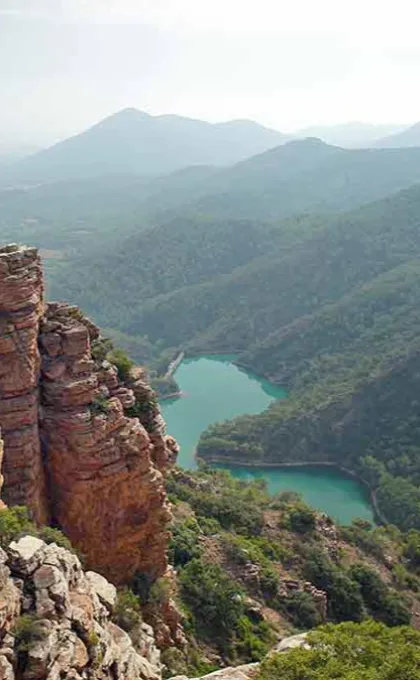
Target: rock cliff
{"points": [[71, 452], [21, 308], [56, 621]]}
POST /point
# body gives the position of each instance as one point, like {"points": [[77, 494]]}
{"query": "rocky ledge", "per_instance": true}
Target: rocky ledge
{"points": [[56, 621]]}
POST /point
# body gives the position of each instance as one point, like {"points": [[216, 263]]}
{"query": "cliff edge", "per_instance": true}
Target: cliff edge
{"points": [[72, 454]]}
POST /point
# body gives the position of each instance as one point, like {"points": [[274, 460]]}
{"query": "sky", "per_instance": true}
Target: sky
{"points": [[65, 64]]}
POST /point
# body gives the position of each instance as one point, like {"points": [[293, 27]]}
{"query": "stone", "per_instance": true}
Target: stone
{"points": [[292, 643], [245, 672], [6, 669], [77, 640], [106, 592], [26, 554]]}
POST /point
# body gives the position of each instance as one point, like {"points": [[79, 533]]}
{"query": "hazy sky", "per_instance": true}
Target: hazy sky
{"points": [[64, 64]]}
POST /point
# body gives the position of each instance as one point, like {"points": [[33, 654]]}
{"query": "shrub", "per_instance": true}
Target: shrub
{"points": [[52, 535], [412, 548], [302, 610], [213, 598], [14, 523], [184, 545], [127, 610], [269, 582], [27, 631], [350, 651], [99, 405], [344, 599], [253, 639], [381, 602], [122, 362], [160, 591], [302, 519], [100, 348]]}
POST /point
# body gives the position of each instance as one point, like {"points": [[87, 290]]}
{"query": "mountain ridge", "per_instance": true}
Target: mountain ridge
{"points": [[136, 142]]}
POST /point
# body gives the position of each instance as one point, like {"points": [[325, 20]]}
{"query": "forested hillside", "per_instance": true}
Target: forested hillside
{"points": [[326, 307], [230, 284], [83, 215]]}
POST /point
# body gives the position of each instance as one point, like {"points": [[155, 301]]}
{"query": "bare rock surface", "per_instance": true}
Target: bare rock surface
{"points": [[71, 632], [63, 416]]}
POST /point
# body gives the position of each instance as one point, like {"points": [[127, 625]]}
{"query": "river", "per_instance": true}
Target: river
{"points": [[214, 389]]}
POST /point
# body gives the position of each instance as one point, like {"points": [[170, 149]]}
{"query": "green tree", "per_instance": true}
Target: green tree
{"points": [[350, 651]]}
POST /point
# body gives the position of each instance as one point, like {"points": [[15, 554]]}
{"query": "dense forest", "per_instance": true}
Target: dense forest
{"points": [[325, 306]]}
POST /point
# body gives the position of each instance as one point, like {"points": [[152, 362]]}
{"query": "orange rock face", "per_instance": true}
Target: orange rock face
{"points": [[21, 307], [105, 485], [2, 505]]}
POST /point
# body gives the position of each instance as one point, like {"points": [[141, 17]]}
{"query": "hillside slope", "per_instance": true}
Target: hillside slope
{"points": [[241, 289], [299, 177], [279, 565]]}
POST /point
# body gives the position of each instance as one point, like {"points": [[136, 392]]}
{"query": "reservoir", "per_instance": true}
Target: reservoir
{"points": [[213, 390]]}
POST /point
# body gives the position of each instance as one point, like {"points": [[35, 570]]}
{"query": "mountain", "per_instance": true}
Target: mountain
{"points": [[350, 135], [297, 178], [71, 217], [406, 138], [326, 306], [132, 141], [306, 176]]}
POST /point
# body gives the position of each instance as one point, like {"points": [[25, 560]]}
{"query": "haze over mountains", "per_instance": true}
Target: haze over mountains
{"points": [[408, 137], [131, 141], [134, 142], [301, 176], [351, 135]]}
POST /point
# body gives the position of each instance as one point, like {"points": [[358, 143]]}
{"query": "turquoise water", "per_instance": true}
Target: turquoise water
{"points": [[214, 390]]}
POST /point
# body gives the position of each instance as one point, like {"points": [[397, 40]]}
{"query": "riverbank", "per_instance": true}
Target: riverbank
{"points": [[378, 514]]}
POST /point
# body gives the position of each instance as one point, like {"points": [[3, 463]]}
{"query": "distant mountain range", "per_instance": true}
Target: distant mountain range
{"points": [[133, 142], [351, 135], [405, 138], [301, 176]]}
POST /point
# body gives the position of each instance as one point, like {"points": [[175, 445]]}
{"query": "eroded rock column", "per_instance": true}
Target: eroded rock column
{"points": [[106, 492], [21, 307]]}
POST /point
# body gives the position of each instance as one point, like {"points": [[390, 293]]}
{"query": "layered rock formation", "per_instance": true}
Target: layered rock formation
{"points": [[55, 621], [72, 454], [21, 308]]}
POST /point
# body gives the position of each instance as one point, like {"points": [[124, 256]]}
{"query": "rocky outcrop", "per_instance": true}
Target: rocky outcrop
{"points": [[72, 454], [165, 448], [2, 505], [107, 494], [21, 308], [56, 621]]}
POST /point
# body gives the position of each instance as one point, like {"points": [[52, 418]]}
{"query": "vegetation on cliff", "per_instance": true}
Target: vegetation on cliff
{"points": [[252, 568]]}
